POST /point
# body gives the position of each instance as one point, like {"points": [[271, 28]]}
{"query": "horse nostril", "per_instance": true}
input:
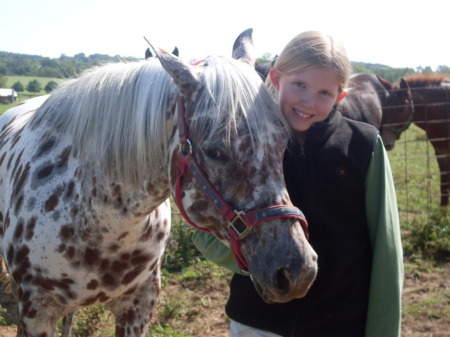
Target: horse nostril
{"points": [[282, 280]]}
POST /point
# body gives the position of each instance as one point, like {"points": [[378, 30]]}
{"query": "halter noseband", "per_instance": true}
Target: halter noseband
{"points": [[239, 223]]}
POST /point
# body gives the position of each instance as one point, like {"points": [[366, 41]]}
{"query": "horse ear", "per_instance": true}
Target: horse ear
{"points": [[148, 54], [183, 75], [404, 84], [176, 52], [406, 91], [385, 83], [243, 48]]}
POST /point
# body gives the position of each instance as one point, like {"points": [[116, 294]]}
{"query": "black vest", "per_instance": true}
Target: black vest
{"points": [[326, 180]]}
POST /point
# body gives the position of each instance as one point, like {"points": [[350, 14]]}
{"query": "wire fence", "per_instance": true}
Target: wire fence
{"points": [[420, 159]]}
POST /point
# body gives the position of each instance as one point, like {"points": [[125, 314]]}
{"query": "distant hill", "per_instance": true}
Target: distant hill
{"points": [[63, 67], [13, 64], [389, 73]]}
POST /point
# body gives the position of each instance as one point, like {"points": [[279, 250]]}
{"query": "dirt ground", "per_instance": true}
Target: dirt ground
{"points": [[426, 303]]}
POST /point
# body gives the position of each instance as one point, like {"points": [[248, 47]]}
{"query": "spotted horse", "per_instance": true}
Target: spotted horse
{"points": [[86, 173]]}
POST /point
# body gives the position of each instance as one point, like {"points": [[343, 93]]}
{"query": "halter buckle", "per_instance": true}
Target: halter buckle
{"points": [[238, 221]]}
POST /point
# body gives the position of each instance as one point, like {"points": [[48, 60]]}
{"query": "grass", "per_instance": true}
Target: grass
{"points": [[190, 296], [187, 296], [426, 299], [425, 235], [425, 224], [416, 173]]}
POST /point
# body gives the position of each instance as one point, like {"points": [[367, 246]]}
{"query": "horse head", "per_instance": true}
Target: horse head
{"points": [[398, 112], [226, 173]]}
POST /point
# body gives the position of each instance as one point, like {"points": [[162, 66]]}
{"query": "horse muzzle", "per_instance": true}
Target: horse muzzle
{"points": [[283, 267]]}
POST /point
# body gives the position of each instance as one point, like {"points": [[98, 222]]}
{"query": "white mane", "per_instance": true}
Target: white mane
{"points": [[117, 114]]}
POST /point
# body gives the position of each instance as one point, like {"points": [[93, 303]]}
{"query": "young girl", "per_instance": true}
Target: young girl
{"points": [[337, 172]]}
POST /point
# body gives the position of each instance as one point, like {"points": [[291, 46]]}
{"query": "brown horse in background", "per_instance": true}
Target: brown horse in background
{"points": [[425, 101], [366, 97]]}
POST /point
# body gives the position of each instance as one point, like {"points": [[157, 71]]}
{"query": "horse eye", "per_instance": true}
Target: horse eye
{"points": [[214, 154]]}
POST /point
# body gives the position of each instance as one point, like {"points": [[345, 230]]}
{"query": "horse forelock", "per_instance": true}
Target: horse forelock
{"points": [[233, 97], [116, 115]]}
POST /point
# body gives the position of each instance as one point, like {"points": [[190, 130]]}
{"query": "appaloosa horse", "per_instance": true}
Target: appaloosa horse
{"points": [[366, 93], [425, 101], [85, 176]]}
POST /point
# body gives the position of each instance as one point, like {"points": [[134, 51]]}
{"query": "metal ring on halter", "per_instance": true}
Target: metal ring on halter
{"points": [[183, 146]]}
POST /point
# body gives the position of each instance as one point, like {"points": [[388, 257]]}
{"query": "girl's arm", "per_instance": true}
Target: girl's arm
{"points": [[215, 250], [384, 312]]}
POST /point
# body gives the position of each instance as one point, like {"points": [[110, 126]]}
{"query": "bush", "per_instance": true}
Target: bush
{"points": [[4, 319], [180, 251], [429, 236], [50, 86], [18, 86], [34, 86]]}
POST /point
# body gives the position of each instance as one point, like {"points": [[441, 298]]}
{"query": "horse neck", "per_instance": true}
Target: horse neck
{"points": [[145, 181], [429, 104], [138, 197], [119, 203]]}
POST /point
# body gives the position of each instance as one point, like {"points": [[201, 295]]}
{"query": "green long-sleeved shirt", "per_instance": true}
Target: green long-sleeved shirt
{"points": [[384, 310]]}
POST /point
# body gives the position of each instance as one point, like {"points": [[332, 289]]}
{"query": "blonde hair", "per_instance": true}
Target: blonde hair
{"points": [[311, 50]]}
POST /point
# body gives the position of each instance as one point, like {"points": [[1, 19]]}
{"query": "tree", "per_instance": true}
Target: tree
{"points": [[443, 70], [50, 86], [48, 72], [34, 86], [266, 57], [428, 70], [18, 86], [359, 68]]}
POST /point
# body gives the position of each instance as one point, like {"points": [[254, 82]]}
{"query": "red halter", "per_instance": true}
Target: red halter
{"points": [[239, 223]]}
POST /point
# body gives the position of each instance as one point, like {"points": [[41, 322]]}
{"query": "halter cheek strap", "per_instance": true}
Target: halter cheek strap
{"points": [[239, 222]]}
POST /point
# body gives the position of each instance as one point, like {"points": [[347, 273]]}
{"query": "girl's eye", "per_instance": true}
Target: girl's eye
{"points": [[299, 84], [214, 154], [325, 93]]}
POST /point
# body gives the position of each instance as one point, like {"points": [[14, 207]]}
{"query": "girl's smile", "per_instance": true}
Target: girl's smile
{"points": [[306, 97]]}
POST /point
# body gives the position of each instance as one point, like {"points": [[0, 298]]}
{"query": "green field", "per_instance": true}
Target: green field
{"points": [[10, 80], [23, 96], [416, 175]]}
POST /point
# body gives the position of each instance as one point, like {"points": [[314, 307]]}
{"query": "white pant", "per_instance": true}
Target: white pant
{"points": [[241, 330]]}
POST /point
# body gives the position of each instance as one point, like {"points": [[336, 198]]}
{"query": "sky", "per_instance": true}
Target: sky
{"points": [[396, 33]]}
